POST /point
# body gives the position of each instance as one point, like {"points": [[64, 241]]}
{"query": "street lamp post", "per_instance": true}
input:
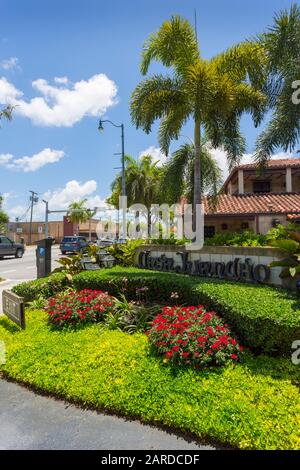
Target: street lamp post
{"points": [[101, 128], [46, 219]]}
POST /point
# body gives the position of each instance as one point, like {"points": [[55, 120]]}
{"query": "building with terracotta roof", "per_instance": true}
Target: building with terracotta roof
{"points": [[256, 200]]}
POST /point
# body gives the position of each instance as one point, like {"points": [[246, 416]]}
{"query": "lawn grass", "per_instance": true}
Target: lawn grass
{"points": [[251, 405]]}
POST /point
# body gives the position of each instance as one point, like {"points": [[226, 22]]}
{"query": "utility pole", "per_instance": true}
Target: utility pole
{"points": [[46, 219], [17, 226], [33, 199]]}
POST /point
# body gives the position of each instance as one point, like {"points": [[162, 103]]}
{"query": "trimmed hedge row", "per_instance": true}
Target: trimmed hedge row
{"points": [[46, 287], [264, 318]]}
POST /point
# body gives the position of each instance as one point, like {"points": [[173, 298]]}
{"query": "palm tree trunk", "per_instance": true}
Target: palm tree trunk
{"points": [[197, 170], [149, 223], [90, 231]]}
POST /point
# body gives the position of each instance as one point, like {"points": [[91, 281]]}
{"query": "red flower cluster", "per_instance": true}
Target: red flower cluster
{"points": [[73, 308], [192, 336]]}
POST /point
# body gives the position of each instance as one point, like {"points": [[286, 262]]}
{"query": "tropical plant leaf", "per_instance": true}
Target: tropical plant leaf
{"points": [[287, 245]]}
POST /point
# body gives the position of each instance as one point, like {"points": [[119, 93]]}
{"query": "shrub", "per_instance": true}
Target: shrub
{"points": [[169, 241], [45, 287], [265, 319], [130, 316], [191, 336], [245, 238], [125, 252], [160, 287], [77, 308]]}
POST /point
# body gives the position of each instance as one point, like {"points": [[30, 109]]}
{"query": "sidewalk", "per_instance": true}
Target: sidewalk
{"points": [[31, 421]]}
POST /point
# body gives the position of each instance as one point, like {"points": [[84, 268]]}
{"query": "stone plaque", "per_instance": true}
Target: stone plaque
{"points": [[13, 307]]}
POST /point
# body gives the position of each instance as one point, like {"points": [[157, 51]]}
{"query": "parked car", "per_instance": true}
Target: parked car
{"points": [[73, 245], [102, 242], [10, 248]]}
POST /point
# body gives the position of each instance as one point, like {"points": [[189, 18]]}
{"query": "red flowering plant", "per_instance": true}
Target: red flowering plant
{"points": [[75, 308], [192, 336]]}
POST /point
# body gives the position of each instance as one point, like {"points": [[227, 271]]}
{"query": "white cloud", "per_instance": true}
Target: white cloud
{"points": [[8, 93], [62, 106], [61, 80], [33, 163], [10, 64], [59, 199], [5, 158], [155, 153]]}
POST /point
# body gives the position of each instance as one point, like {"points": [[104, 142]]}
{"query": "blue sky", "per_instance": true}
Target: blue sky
{"points": [[91, 48]]}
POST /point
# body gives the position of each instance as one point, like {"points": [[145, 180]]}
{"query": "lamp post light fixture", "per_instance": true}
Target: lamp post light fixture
{"points": [[46, 218], [123, 193]]}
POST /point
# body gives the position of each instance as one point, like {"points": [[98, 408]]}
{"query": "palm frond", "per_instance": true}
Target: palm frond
{"points": [[282, 45], [153, 98], [174, 44]]}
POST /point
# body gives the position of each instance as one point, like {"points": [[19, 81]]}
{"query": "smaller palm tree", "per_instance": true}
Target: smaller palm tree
{"points": [[6, 113], [178, 174], [142, 183], [78, 213]]}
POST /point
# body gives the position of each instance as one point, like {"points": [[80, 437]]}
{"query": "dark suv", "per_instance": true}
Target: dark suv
{"points": [[10, 248], [73, 245]]}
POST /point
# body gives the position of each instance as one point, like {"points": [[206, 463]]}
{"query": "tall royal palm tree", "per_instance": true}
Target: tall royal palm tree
{"points": [[142, 183], [78, 213], [282, 45], [213, 93]]}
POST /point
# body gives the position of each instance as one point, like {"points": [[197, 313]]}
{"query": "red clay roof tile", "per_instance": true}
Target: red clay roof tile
{"points": [[271, 203]]}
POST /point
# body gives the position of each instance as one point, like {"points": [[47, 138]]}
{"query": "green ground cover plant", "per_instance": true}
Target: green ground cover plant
{"points": [[253, 404]]}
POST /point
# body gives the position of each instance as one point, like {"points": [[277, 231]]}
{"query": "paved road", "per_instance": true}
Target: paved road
{"points": [[23, 268], [15, 270], [30, 421]]}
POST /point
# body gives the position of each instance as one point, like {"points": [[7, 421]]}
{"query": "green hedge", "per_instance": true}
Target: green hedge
{"points": [[46, 287], [264, 318]]}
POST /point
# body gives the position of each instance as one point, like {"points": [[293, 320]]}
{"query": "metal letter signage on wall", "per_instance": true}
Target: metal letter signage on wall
{"points": [[235, 270], [13, 307]]}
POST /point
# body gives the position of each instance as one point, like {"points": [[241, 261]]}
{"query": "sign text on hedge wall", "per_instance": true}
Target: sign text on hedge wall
{"points": [[237, 269]]}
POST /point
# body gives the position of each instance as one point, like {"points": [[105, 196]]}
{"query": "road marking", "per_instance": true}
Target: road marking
{"points": [[9, 271]]}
